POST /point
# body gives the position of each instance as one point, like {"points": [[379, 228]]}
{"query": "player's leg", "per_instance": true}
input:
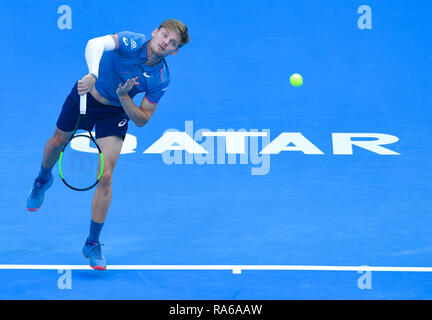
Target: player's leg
{"points": [[65, 125], [110, 147], [111, 128]]}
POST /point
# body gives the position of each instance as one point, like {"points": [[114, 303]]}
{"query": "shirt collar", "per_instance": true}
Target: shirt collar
{"points": [[143, 53]]}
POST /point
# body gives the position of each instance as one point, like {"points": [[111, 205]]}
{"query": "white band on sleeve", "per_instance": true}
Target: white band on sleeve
{"points": [[94, 50]]}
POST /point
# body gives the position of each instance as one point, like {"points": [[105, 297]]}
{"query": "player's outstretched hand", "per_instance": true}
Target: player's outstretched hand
{"points": [[86, 84], [123, 90]]}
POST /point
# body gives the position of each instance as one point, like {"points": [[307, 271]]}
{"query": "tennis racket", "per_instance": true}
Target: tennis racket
{"points": [[81, 161]]}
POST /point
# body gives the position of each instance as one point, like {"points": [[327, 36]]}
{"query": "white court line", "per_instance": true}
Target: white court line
{"points": [[233, 268]]}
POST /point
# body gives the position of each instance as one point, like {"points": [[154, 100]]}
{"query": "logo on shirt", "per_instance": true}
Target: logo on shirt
{"points": [[145, 74], [122, 123], [133, 44], [125, 41]]}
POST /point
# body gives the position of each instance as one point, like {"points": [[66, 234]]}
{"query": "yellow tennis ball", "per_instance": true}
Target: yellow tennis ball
{"points": [[296, 80]]}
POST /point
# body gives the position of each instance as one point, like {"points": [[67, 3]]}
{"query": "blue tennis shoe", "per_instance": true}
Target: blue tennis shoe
{"points": [[37, 194], [93, 252]]}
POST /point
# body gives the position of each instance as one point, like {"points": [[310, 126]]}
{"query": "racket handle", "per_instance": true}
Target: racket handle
{"points": [[83, 103]]}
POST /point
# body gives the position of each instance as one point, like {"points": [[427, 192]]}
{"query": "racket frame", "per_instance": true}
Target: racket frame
{"points": [[83, 110]]}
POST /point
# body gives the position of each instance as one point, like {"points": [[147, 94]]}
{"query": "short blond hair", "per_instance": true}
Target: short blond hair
{"points": [[179, 27]]}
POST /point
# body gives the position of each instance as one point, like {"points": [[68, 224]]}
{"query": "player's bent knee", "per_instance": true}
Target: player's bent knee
{"points": [[56, 142], [60, 138], [106, 179]]}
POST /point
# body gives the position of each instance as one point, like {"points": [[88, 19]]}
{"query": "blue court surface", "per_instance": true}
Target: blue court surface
{"points": [[338, 208]]}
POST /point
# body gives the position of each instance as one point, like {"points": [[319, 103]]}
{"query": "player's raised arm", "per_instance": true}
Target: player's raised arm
{"points": [[93, 54]]}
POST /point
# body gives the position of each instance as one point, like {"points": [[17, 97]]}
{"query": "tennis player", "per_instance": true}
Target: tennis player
{"points": [[120, 65]]}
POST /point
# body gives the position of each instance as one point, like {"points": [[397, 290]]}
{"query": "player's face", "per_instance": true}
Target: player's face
{"points": [[164, 42]]}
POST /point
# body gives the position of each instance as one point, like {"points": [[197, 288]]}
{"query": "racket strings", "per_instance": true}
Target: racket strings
{"points": [[81, 163]]}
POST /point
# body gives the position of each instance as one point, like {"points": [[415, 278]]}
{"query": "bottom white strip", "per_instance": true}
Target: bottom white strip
{"points": [[235, 268]]}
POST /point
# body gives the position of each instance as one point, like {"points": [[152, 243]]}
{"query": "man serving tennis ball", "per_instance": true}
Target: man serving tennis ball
{"points": [[120, 65]]}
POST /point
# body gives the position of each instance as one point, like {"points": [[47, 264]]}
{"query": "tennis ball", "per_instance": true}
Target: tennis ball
{"points": [[296, 80]]}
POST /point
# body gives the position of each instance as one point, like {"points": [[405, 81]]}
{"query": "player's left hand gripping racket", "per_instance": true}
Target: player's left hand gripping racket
{"points": [[81, 161]]}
